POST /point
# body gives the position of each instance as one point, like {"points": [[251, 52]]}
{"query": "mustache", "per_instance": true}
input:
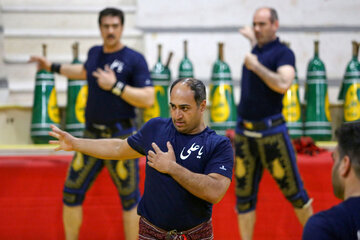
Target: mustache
{"points": [[110, 36]]}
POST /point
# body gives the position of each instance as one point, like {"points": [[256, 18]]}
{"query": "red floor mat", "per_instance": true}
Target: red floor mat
{"points": [[31, 206]]}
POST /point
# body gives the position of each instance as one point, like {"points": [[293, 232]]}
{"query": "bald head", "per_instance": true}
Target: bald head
{"points": [[270, 12], [195, 85], [265, 25]]}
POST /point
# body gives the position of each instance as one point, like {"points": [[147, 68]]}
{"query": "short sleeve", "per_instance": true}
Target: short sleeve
{"points": [[317, 228], [143, 137], [222, 159], [286, 57], [92, 56], [86, 64], [141, 75]]}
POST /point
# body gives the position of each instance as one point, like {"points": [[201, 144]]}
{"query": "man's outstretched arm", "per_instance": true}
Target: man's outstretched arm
{"points": [[74, 71], [113, 149]]}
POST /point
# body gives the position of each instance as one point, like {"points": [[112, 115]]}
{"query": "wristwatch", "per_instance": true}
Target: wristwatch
{"points": [[118, 88]]}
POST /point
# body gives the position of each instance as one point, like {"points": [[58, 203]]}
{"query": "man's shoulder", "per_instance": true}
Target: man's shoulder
{"points": [[283, 55], [96, 48], [133, 52], [216, 139], [158, 123], [282, 48], [319, 226], [332, 223], [322, 216], [94, 53], [332, 216]]}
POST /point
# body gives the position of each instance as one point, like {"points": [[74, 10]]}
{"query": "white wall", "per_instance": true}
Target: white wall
{"points": [[335, 23], [26, 24], [214, 13], [29, 24], [4, 92]]}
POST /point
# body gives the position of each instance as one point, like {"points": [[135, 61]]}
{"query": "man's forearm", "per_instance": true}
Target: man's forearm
{"points": [[139, 97], [73, 71], [210, 187], [99, 148], [272, 79], [112, 149]]}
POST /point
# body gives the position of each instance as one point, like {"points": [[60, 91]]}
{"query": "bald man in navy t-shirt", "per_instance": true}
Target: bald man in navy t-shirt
{"points": [[189, 167], [262, 140]]}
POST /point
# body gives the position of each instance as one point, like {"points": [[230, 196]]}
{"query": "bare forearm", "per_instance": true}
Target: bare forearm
{"points": [[202, 186], [272, 79], [139, 97], [99, 148], [73, 71], [112, 149]]}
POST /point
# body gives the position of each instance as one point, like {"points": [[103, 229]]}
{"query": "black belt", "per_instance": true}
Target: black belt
{"points": [[120, 127], [262, 125]]}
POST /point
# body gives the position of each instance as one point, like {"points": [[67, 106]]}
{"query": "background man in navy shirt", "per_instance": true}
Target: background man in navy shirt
{"points": [[118, 81], [262, 140], [189, 166], [343, 220]]}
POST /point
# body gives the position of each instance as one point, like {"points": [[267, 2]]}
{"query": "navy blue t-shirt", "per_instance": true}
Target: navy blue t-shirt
{"points": [[341, 222], [130, 67], [165, 202], [258, 101]]}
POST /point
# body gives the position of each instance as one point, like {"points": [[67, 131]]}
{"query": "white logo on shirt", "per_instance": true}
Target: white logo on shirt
{"points": [[222, 167], [117, 64], [200, 152], [190, 150]]}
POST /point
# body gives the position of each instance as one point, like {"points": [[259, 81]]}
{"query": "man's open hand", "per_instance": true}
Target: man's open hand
{"points": [[161, 161], [65, 140], [105, 78]]}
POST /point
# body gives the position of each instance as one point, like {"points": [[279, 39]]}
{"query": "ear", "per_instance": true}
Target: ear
{"points": [[345, 166], [203, 106], [276, 25]]}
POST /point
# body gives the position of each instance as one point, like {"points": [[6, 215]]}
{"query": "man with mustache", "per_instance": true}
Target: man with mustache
{"points": [[118, 81], [189, 167], [343, 220], [262, 140]]}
